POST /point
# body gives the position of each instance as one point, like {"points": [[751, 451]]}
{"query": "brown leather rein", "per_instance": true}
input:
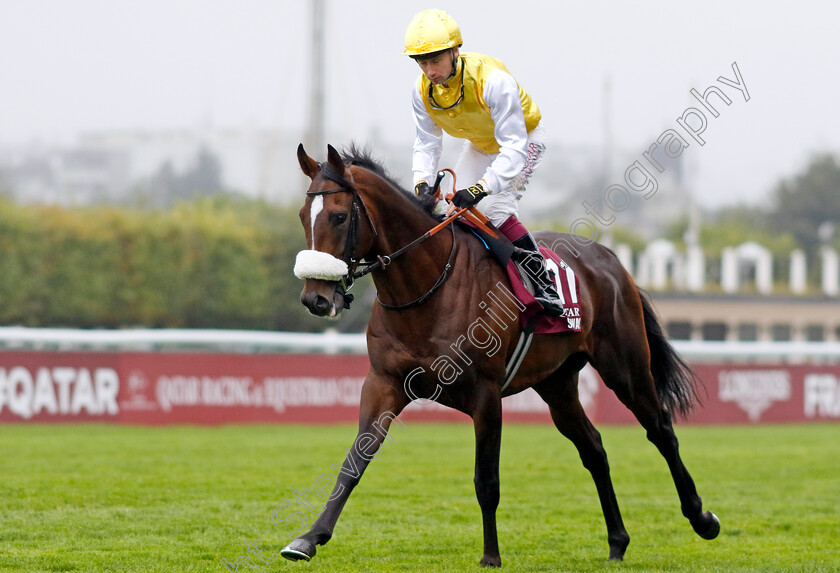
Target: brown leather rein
{"points": [[383, 261]]}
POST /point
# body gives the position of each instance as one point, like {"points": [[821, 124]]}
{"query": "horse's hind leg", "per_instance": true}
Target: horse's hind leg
{"points": [[626, 371], [560, 392]]}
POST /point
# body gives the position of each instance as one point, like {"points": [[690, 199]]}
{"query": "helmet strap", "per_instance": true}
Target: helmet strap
{"points": [[454, 69]]}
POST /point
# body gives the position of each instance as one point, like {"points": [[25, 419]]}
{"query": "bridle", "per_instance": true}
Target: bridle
{"points": [[382, 261]]}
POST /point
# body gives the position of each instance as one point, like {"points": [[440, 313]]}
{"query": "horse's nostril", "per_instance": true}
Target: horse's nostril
{"points": [[322, 306], [317, 304]]}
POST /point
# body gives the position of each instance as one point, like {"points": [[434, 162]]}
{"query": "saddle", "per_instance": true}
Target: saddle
{"points": [[531, 317]]}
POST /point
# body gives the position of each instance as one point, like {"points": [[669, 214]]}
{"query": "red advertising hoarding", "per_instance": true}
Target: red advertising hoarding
{"points": [[207, 388]]}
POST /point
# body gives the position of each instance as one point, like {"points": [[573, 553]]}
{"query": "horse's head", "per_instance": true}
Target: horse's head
{"points": [[338, 233]]}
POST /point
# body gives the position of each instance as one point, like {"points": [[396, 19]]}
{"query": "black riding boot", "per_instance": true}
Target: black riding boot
{"points": [[530, 262]]}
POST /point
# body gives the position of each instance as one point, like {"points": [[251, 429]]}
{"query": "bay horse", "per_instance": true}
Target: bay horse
{"points": [[429, 301]]}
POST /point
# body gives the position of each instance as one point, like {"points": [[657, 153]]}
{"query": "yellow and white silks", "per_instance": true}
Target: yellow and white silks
{"points": [[497, 118]]}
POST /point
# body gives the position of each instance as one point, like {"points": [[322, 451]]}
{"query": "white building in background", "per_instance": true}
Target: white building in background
{"points": [[743, 302], [745, 268], [53, 175], [831, 270], [110, 166], [798, 272], [735, 260]]}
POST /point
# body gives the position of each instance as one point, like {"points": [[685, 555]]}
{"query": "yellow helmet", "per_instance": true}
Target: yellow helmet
{"points": [[431, 31]]}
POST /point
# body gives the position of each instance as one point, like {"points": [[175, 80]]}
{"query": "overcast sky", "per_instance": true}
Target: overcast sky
{"points": [[68, 66]]}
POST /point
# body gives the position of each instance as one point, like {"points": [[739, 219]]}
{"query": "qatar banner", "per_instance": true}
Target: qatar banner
{"points": [[208, 388]]}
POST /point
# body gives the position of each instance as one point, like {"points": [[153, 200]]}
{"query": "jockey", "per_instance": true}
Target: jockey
{"points": [[473, 97]]}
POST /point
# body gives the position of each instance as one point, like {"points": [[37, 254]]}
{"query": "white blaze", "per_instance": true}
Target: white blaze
{"points": [[316, 207]]}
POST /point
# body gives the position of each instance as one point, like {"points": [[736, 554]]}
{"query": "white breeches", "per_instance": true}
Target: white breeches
{"points": [[473, 163]]}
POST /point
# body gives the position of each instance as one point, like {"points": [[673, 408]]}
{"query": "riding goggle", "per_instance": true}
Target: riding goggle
{"points": [[436, 105]]}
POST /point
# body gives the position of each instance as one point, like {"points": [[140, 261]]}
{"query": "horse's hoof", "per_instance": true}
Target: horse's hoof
{"points": [[707, 526], [299, 549], [618, 545], [491, 561]]}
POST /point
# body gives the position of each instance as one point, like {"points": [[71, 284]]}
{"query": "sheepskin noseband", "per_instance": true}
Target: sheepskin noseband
{"points": [[311, 264]]}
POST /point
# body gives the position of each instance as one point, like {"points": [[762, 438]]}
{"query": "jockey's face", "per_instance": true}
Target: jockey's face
{"points": [[439, 68]]}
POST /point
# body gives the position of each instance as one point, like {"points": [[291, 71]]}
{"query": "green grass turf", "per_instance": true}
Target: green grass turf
{"points": [[176, 499]]}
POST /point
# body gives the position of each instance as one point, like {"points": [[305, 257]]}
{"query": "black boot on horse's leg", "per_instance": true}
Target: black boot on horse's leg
{"points": [[530, 261]]}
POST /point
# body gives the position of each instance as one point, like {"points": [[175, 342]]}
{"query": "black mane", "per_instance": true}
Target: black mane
{"points": [[353, 155]]}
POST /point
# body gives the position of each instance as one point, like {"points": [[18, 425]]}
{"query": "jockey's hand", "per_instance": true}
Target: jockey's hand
{"points": [[424, 193], [469, 196]]}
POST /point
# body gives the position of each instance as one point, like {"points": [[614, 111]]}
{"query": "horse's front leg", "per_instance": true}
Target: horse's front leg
{"points": [[487, 419], [381, 403]]}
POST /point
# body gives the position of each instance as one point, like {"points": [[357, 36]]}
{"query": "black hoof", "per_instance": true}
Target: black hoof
{"points": [[707, 525], [299, 549], [491, 561], [618, 546]]}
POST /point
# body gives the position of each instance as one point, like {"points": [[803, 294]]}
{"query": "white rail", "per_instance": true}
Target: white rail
{"points": [[152, 339], [764, 350], [147, 340]]}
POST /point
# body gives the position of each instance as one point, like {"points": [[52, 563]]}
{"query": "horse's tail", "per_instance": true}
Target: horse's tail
{"points": [[676, 383]]}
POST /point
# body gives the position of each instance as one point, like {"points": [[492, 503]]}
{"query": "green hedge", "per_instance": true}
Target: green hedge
{"points": [[212, 263]]}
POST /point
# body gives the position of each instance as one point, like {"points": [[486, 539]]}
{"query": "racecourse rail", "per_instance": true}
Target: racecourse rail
{"points": [[173, 376], [151, 340]]}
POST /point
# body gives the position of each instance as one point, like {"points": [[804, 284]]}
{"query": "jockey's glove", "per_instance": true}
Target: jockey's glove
{"points": [[424, 193], [469, 196], [422, 188]]}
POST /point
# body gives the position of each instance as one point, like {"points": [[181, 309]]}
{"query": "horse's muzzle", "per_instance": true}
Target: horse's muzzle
{"points": [[317, 305], [320, 305]]}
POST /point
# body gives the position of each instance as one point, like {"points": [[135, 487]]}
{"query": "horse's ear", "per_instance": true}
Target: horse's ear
{"points": [[335, 160], [308, 165]]}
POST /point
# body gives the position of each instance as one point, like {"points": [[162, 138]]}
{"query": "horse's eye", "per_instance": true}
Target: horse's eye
{"points": [[338, 218]]}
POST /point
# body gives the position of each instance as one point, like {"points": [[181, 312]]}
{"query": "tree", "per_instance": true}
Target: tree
{"points": [[203, 179], [809, 201]]}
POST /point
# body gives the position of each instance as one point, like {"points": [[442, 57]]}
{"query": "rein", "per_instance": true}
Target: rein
{"points": [[439, 283], [477, 217], [382, 261]]}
